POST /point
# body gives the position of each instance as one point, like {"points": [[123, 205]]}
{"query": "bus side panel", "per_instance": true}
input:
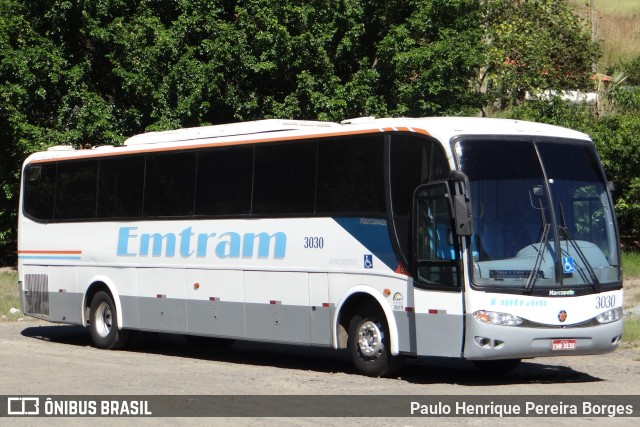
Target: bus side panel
{"points": [[439, 323], [161, 302], [321, 310], [65, 300], [406, 322], [215, 303], [277, 306]]}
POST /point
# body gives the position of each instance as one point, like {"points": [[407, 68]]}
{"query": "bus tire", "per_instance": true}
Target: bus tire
{"points": [[496, 366], [103, 323], [369, 343]]}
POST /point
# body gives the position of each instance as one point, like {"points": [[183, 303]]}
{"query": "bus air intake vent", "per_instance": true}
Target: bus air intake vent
{"points": [[37, 294]]}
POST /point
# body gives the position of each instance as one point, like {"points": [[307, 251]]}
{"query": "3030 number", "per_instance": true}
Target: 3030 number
{"points": [[313, 242], [608, 301]]}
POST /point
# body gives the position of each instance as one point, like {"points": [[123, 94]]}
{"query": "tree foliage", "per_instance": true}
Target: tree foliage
{"points": [[618, 142], [534, 45], [92, 72]]}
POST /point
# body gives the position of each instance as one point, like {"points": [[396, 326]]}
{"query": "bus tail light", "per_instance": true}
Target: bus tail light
{"points": [[496, 318]]}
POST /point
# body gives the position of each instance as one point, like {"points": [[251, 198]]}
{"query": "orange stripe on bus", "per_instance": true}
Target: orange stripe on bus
{"points": [[50, 252]]}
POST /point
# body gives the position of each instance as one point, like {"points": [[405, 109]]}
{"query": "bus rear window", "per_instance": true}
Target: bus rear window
{"points": [[39, 190]]}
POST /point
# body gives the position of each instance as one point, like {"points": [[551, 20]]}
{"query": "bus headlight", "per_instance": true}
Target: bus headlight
{"points": [[610, 315], [495, 318]]}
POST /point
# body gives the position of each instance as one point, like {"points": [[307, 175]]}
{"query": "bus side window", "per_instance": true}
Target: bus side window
{"points": [[224, 181], [350, 176], [169, 184], [589, 216], [76, 190], [284, 179], [39, 188], [120, 186]]}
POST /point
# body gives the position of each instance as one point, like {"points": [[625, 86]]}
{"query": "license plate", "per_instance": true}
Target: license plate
{"points": [[563, 345]]}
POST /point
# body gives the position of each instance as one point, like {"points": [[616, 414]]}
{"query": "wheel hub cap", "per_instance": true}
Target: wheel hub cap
{"points": [[370, 339], [103, 319]]}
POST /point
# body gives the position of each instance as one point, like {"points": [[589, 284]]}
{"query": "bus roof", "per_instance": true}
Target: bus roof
{"points": [[272, 130], [227, 130], [448, 126]]}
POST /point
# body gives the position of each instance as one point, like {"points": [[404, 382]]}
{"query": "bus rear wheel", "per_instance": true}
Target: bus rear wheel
{"points": [[103, 323], [369, 343]]}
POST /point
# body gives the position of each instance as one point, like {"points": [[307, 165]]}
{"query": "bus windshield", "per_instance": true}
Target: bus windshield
{"points": [[542, 215]]}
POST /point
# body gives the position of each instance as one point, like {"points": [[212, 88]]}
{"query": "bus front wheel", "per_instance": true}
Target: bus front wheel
{"points": [[369, 343], [103, 323]]}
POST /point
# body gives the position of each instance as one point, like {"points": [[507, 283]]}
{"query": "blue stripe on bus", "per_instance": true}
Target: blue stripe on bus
{"points": [[373, 234]]}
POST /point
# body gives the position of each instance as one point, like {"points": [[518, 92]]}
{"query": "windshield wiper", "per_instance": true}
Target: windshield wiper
{"points": [[535, 272], [595, 283], [542, 245]]}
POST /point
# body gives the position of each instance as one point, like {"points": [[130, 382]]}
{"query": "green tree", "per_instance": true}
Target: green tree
{"points": [[534, 45], [427, 62], [91, 72], [618, 142]]}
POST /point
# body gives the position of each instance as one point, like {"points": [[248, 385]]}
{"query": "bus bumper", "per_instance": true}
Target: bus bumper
{"points": [[493, 342]]}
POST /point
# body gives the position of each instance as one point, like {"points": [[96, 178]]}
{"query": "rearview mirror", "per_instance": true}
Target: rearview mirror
{"points": [[462, 208]]}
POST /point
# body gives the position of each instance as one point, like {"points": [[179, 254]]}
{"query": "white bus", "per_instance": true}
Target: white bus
{"points": [[482, 239]]}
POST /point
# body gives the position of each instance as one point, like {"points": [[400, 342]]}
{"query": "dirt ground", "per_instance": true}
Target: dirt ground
{"points": [[631, 293], [46, 359]]}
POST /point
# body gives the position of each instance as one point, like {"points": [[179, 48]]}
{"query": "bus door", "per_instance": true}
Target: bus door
{"points": [[436, 271]]}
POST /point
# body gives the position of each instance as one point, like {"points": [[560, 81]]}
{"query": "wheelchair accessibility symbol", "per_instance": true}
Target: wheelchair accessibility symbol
{"points": [[368, 261], [568, 266]]}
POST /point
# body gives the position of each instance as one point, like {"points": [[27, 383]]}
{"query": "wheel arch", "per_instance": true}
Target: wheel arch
{"points": [[97, 284], [346, 307]]}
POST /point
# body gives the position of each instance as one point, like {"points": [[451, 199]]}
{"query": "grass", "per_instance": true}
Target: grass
{"points": [[619, 37], [631, 264], [617, 29], [617, 7], [9, 295], [631, 333]]}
